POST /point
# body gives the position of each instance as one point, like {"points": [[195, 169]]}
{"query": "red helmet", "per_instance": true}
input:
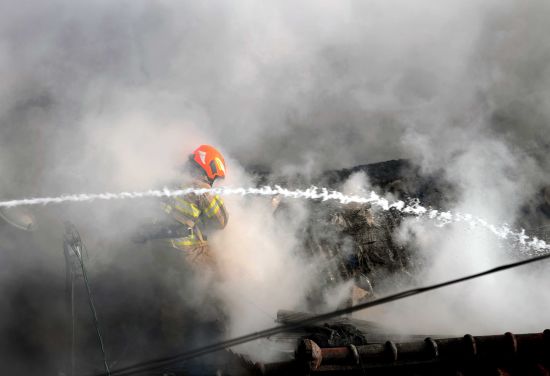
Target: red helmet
{"points": [[210, 160]]}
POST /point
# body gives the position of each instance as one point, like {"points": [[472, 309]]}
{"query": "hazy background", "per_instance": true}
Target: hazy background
{"points": [[111, 95], [91, 91]]}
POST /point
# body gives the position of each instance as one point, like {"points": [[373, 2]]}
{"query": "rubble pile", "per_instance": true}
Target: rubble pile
{"points": [[358, 242]]}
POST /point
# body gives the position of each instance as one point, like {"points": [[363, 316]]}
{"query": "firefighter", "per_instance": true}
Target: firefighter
{"points": [[184, 262], [194, 216], [189, 219]]}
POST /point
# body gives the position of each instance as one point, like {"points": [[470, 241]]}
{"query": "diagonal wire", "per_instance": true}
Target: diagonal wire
{"points": [[94, 315], [74, 242], [163, 362]]}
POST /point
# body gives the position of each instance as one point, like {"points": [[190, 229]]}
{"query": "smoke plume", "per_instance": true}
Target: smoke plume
{"points": [[107, 96]]}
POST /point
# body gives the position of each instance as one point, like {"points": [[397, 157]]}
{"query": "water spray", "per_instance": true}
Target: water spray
{"points": [[413, 207]]}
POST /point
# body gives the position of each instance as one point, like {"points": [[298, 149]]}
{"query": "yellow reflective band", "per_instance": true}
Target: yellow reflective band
{"points": [[214, 212], [183, 243], [186, 242], [194, 213], [213, 202], [214, 206], [188, 208], [189, 205], [167, 208]]}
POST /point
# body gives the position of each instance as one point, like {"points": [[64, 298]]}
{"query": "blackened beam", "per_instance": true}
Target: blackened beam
{"points": [[496, 350]]}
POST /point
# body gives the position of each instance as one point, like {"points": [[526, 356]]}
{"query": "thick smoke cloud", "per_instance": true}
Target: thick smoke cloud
{"points": [[325, 85], [110, 95]]}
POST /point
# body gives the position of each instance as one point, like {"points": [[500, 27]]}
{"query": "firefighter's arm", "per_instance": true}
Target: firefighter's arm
{"points": [[214, 211], [151, 231]]}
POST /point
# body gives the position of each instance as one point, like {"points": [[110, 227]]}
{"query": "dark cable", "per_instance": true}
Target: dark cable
{"points": [[72, 238], [162, 362], [94, 314], [73, 322]]}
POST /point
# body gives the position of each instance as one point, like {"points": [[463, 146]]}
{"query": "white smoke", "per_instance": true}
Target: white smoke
{"points": [[102, 96], [494, 181]]}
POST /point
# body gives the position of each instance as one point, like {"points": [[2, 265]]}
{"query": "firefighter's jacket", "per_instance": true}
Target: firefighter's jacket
{"points": [[192, 217]]}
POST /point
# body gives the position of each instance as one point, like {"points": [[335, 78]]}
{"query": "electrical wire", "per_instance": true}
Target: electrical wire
{"points": [[94, 314], [163, 362], [74, 242], [73, 327]]}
